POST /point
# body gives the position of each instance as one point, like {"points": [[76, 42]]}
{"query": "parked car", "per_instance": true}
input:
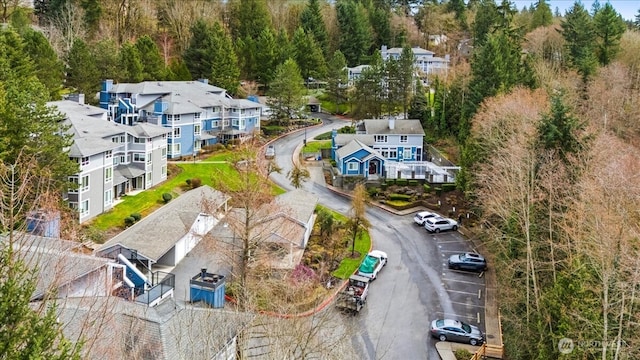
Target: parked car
{"points": [[372, 264], [270, 153], [437, 224], [420, 217], [454, 330], [468, 261]]}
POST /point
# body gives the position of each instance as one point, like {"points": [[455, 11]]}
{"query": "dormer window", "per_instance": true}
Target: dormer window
{"points": [[380, 138]]}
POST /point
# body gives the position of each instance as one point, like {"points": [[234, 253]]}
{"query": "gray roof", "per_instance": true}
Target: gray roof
{"points": [[55, 262], [114, 328], [165, 87], [354, 146], [128, 171], [417, 51], [344, 139], [92, 134], [157, 233], [301, 203], [401, 127]]}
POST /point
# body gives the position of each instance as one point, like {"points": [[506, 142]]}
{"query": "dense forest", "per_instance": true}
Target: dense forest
{"points": [[541, 109]]}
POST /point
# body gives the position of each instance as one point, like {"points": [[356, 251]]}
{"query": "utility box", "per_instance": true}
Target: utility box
{"points": [[209, 288]]}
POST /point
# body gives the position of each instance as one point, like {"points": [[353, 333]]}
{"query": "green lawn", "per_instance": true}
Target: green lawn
{"points": [[315, 146], [149, 200]]}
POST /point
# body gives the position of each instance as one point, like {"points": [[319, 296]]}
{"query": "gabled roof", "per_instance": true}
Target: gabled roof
{"points": [[417, 51], [401, 127], [354, 146], [157, 233], [301, 204], [55, 262], [343, 139], [114, 328]]}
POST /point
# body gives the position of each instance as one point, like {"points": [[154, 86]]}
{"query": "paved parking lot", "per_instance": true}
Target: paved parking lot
{"points": [[465, 289]]}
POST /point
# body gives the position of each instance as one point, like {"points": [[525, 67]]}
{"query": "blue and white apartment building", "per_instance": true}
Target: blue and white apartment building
{"points": [[197, 114]]}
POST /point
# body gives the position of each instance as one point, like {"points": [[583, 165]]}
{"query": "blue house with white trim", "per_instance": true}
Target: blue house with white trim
{"points": [[197, 113]]}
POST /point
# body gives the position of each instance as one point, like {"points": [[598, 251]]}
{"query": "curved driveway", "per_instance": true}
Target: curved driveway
{"points": [[413, 289]]}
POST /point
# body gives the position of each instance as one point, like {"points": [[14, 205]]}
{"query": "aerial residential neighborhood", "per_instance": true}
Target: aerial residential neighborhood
{"points": [[316, 179]]}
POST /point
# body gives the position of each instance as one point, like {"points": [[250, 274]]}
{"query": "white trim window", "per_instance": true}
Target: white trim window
{"points": [[215, 123], [164, 152], [149, 179], [352, 166], [74, 185], [407, 153], [176, 133], [163, 171], [173, 118], [108, 174], [404, 139], [197, 116], [149, 158], [175, 149], [85, 183], [108, 154], [84, 161], [84, 208], [137, 157], [197, 129], [380, 138], [108, 197]]}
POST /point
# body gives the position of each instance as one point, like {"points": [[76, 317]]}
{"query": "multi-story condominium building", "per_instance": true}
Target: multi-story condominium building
{"points": [[114, 159], [196, 113], [425, 63]]}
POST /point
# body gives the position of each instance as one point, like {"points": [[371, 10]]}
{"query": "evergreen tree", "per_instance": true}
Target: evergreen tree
{"points": [[284, 48], [355, 38], [369, 93], [267, 56], [486, 18], [178, 71], [248, 19], [224, 70], [107, 58], [153, 67], [286, 93], [48, 68], [459, 9], [92, 15], [562, 131], [542, 15], [197, 57], [131, 64], [637, 20], [609, 28], [82, 71], [577, 30], [337, 79], [312, 23], [26, 333], [380, 20], [308, 55]]}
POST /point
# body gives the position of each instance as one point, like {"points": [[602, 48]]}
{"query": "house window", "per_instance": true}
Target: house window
{"points": [[380, 138], [115, 139], [173, 118], [108, 174], [393, 153], [176, 133], [164, 136], [84, 208], [407, 154], [352, 166], [108, 197], [164, 153], [163, 171], [139, 140], [196, 116], [85, 183], [215, 123], [108, 155], [175, 149], [149, 178], [242, 111], [197, 146], [404, 138], [225, 122], [138, 157], [148, 158], [122, 138], [73, 188], [239, 123], [196, 130], [123, 159], [85, 161]]}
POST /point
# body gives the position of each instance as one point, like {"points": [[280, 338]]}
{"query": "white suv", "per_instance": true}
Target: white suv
{"points": [[437, 224], [420, 217]]}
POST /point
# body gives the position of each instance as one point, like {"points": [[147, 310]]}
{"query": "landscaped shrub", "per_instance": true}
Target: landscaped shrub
{"points": [[426, 187], [400, 197], [384, 186], [128, 221], [333, 163], [401, 182], [390, 181], [373, 191], [413, 182], [166, 197], [188, 181], [196, 183], [462, 354], [136, 216], [438, 191], [448, 187]]}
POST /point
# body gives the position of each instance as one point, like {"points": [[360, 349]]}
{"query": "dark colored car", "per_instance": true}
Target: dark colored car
{"points": [[467, 261], [454, 330]]}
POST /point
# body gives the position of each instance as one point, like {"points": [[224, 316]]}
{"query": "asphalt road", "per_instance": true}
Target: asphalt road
{"points": [[414, 288]]}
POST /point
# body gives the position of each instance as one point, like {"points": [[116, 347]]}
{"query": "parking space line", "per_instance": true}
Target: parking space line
{"points": [[448, 241], [449, 315], [468, 305], [452, 251], [461, 281], [463, 292]]}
